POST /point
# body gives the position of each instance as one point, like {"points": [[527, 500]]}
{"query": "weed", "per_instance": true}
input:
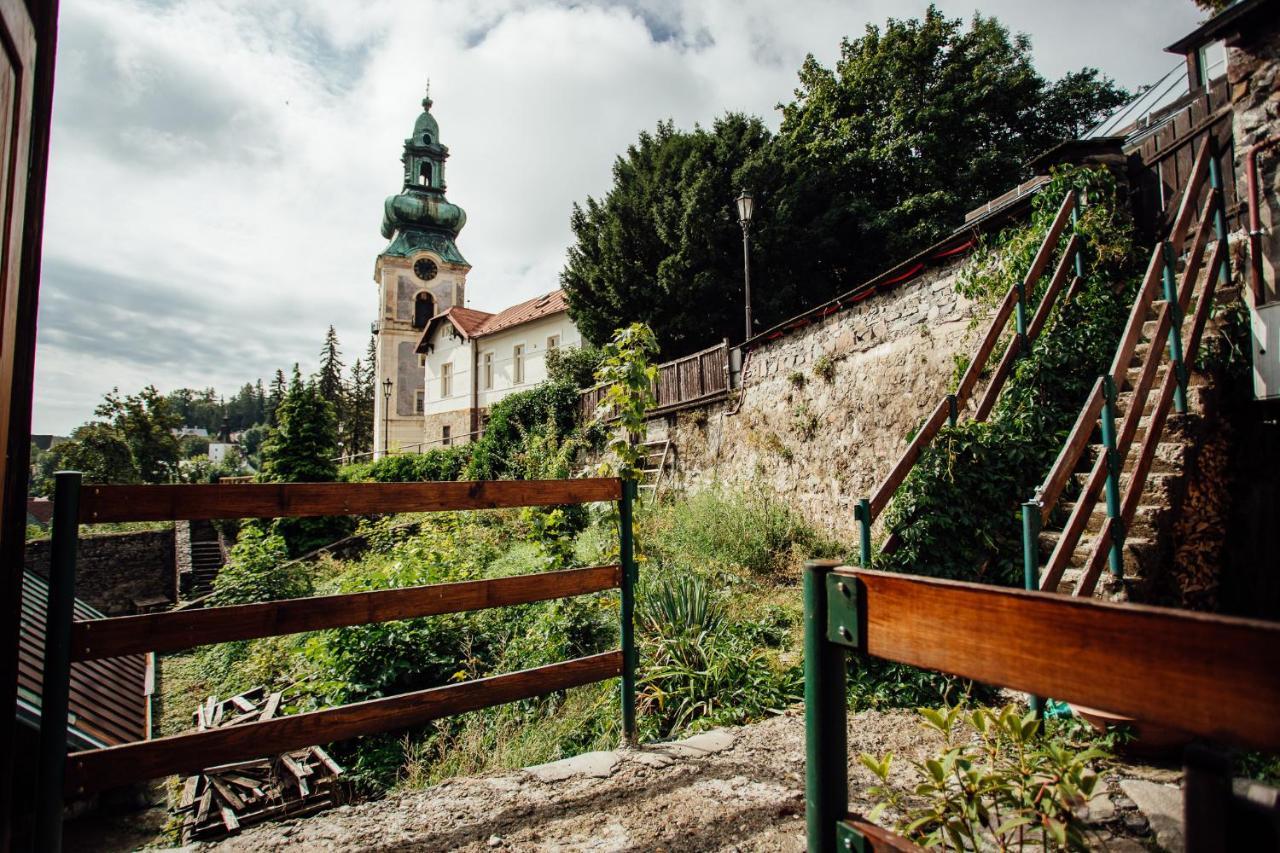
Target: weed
{"points": [[825, 368]]}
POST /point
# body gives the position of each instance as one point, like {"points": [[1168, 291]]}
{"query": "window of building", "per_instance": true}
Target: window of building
{"points": [[424, 307], [553, 342], [446, 381], [446, 434], [517, 364], [422, 360], [420, 402], [487, 362], [424, 175]]}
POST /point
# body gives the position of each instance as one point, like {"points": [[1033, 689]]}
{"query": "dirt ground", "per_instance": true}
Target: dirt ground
{"points": [[738, 789]]}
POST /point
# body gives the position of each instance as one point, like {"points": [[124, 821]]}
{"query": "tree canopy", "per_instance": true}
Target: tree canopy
{"points": [[876, 158]]}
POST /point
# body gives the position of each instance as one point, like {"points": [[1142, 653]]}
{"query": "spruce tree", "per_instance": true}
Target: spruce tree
{"points": [[276, 397], [302, 445], [329, 379]]}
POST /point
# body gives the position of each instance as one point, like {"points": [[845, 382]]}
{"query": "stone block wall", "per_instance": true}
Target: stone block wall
{"points": [[827, 409], [114, 570], [1253, 72]]}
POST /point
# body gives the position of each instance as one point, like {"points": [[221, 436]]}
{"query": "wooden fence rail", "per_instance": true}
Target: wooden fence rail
{"points": [[1209, 676], [69, 639]]}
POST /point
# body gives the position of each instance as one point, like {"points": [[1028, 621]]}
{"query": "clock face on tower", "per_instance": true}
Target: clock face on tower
{"points": [[425, 269]]}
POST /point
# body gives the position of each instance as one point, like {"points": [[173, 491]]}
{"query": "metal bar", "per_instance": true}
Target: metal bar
{"points": [[1175, 330], [1219, 214], [826, 748], [56, 675], [1031, 568], [1020, 318], [1113, 473], [626, 550], [1075, 219], [953, 411], [862, 512]]}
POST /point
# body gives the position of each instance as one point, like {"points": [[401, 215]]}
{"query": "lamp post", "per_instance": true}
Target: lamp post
{"points": [[746, 208], [386, 413]]}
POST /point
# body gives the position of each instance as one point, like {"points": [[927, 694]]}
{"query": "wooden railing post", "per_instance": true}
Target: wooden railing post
{"points": [[826, 774], [1116, 557], [1175, 330], [1219, 213], [626, 550], [55, 693]]}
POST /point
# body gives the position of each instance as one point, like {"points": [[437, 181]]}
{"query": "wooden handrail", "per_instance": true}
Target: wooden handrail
{"points": [[1125, 658], [1075, 526], [880, 499], [182, 629], [1137, 317], [1187, 207], [113, 766], [1014, 349], [287, 500], [1077, 441]]}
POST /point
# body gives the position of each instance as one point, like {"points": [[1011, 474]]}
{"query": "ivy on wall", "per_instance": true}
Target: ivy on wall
{"points": [[957, 513]]}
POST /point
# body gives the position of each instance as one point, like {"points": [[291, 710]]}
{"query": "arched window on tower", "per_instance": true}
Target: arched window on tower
{"points": [[424, 175], [424, 308]]}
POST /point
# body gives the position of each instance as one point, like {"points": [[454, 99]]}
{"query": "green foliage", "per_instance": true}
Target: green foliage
{"points": [[825, 368], [998, 783], [303, 443], [202, 469], [751, 530], [877, 158], [628, 374], [575, 365], [701, 669], [147, 423], [441, 463], [258, 569], [957, 513], [494, 456], [97, 450]]}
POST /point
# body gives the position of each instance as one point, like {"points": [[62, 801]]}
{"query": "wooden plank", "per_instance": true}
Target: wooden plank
{"points": [[1076, 523], [880, 840], [94, 770], [1213, 676], [290, 500], [985, 348], [1190, 197], [1098, 556], [882, 495], [1137, 317], [1077, 441], [181, 629], [273, 704]]}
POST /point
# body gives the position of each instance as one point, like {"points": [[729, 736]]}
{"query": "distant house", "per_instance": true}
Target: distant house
{"points": [[186, 432], [472, 359]]}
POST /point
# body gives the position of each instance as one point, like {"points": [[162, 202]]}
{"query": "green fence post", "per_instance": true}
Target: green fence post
{"points": [[862, 512], [1031, 568], [1115, 559], [953, 410], [1020, 319], [1176, 363], [56, 676], [826, 775], [1219, 213], [626, 551]]}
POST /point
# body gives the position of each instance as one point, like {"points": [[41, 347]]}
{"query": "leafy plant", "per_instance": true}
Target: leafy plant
{"points": [[804, 422], [796, 378], [628, 374], [440, 463], [259, 569], [825, 367], [997, 784]]}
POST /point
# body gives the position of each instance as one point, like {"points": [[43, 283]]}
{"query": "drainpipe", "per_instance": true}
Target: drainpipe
{"points": [[1255, 218]]}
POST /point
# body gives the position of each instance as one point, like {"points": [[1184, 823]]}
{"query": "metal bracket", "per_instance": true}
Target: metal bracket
{"points": [[849, 840], [842, 611]]}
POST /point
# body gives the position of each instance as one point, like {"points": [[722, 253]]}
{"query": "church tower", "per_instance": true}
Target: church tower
{"points": [[419, 274]]}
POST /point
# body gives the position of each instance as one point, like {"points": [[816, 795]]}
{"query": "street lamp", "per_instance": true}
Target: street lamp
{"points": [[746, 208], [386, 413]]}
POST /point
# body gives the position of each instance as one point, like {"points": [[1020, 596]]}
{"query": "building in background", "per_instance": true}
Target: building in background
{"points": [[448, 364]]}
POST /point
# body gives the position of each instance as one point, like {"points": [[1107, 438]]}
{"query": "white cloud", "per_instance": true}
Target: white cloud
{"points": [[218, 168]]}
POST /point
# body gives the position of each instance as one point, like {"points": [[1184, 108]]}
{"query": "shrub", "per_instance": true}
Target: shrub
{"points": [[574, 365], [442, 463], [493, 456], [259, 569], [998, 782]]}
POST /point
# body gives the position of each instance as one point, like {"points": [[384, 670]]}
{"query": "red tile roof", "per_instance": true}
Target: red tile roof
{"points": [[534, 309], [467, 320]]}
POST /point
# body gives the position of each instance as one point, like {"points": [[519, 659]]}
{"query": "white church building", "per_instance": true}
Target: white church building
{"points": [[441, 365]]}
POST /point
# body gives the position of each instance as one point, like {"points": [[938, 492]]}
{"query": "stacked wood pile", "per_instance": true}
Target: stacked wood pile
{"points": [[220, 800]]}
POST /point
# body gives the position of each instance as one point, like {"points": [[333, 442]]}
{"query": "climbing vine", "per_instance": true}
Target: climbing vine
{"points": [[957, 513]]}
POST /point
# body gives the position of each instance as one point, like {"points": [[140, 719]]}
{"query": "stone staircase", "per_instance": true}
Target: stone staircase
{"points": [[205, 559]]}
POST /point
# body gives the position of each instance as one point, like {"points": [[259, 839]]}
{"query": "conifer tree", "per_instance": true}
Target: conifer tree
{"points": [[329, 379], [276, 397], [302, 445]]}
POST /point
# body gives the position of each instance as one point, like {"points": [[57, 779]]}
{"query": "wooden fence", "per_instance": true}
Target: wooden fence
{"points": [[1163, 158], [1209, 676], [71, 640], [688, 381]]}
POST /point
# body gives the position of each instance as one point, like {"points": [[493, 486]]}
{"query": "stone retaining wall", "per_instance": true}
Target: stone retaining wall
{"points": [[115, 570], [827, 409]]}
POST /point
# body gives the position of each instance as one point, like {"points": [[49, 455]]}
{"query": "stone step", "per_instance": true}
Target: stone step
{"points": [[1139, 552]]}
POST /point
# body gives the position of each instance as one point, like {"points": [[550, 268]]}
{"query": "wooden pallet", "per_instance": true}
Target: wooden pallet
{"points": [[220, 801]]}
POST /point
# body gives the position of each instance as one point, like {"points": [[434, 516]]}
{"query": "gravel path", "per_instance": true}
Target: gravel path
{"points": [[736, 789]]}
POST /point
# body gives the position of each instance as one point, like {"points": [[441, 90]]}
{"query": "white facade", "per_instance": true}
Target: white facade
{"points": [[464, 374]]}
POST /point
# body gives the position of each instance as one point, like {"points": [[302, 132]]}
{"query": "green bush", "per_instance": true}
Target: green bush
{"points": [[493, 457], [442, 463], [259, 570], [574, 365]]}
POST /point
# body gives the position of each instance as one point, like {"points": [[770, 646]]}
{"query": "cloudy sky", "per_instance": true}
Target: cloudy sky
{"points": [[218, 167]]}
